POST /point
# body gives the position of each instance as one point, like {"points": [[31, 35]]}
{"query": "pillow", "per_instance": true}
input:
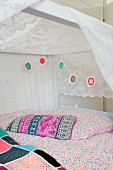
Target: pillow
{"points": [[59, 127], [6, 118], [89, 124], [63, 111]]}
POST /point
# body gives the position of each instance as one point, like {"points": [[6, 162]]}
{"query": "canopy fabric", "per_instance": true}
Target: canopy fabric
{"points": [[33, 35], [100, 38], [10, 7], [83, 66], [29, 34], [21, 88]]}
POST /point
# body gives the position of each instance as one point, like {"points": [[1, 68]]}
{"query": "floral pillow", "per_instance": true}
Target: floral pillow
{"points": [[59, 127], [89, 124]]}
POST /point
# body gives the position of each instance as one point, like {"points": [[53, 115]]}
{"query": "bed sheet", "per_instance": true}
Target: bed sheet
{"points": [[95, 153]]}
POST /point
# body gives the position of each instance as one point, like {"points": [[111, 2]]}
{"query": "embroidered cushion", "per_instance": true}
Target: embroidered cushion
{"points": [[59, 127], [6, 118]]}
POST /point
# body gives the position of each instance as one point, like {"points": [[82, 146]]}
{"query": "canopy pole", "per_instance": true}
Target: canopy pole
{"points": [[52, 11]]}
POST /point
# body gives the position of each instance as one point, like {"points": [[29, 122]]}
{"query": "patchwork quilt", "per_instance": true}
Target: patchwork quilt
{"points": [[16, 157]]}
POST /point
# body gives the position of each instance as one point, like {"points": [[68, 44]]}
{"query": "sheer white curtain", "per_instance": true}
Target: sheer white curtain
{"points": [[21, 89], [10, 7], [51, 89], [83, 66], [100, 38], [98, 34]]}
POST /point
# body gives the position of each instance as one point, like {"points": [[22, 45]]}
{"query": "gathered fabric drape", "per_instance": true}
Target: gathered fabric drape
{"points": [[21, 89], [9, 8], [83, 66], [98, 34], [100, 38]]}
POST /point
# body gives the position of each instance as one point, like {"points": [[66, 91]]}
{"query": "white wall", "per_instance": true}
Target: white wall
{"points": [[108, 105], [91, 7], [108, 11]]}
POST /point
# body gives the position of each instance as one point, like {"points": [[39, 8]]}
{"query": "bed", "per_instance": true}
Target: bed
{"points": [[17, 157], [94, 152]]}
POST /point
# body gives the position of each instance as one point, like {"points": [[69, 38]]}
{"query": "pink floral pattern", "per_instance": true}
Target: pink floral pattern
{"points": [[94, 153], [89, 124], [48, 125]]}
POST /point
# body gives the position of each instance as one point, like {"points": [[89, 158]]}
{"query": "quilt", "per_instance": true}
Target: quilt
{"points": [[16, 157]]}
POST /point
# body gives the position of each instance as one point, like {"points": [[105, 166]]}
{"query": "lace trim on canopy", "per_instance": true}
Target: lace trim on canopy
{"points": [[10, 7], [82, 66]]}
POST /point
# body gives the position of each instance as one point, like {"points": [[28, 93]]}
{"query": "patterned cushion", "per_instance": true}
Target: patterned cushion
{"points": [[59, 127], [6, 118]]}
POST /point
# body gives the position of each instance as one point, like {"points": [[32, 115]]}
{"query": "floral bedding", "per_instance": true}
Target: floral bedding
{"points": [[92, 153], [95, 153]]}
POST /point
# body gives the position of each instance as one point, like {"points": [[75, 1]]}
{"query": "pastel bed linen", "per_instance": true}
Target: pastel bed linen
{"points": [[16, 157], [59, 127], [7, 118], [91, 124], [88, 123], [94, 153]]}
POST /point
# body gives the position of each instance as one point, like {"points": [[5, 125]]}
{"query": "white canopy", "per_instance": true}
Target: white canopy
{"points": [[30, 32]]}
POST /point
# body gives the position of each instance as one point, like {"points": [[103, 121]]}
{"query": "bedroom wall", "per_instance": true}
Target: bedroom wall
{"points": [[91, 7], [108, 11], [108, 105]]}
